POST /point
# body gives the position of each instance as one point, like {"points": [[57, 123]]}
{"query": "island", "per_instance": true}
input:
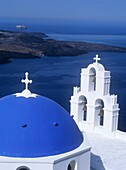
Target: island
{"points": [[17, 44]]}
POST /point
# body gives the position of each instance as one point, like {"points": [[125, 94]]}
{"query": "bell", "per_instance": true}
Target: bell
{"points": [[101, 112], [85, 107], [94, 79]]}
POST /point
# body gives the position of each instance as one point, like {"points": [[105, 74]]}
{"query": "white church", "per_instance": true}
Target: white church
{"points": [[38, 134]]}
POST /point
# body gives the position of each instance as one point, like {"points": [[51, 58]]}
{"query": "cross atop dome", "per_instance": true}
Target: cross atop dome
{"points": [[96, 58], [26, 93], [26, 81]]}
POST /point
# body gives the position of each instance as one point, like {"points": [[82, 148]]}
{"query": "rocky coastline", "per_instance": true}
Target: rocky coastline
{"points": [[35, 45]]}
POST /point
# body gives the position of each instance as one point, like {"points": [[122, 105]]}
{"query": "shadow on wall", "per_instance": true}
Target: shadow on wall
{"points": [[96, 162]]}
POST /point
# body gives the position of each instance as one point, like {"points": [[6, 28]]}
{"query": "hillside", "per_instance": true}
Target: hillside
{"points": [[34, 45]]}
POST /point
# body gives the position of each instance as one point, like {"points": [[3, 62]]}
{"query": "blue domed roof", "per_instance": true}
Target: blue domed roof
{"points": [[35, 127]]}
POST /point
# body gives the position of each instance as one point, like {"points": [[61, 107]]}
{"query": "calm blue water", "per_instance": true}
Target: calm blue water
{"points": [[113, 40], [55, 77]]}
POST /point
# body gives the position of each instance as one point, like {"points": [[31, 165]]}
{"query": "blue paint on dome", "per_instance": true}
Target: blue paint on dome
{"points": [[35, 127]]}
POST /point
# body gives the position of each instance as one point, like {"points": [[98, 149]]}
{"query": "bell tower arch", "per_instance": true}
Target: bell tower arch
{"points": [[92, 79]]}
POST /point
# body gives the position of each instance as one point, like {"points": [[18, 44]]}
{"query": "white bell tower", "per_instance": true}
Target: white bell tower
{"points": [[92, 106]]}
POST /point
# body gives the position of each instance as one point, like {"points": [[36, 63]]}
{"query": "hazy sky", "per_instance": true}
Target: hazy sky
{"points": [[99, 10]]}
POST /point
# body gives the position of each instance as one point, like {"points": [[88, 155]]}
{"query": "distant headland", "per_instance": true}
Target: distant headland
{"points": [[34, 45]]}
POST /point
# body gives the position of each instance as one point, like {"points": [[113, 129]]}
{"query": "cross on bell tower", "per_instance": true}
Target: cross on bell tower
{"points": [[26, 81], [96, 59]]}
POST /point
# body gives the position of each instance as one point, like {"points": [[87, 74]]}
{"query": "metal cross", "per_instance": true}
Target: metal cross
{"points": [[26, 81], [96, 58]]}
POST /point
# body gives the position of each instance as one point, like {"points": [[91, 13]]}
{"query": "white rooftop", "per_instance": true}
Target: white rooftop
{"points": [[107, 153]]}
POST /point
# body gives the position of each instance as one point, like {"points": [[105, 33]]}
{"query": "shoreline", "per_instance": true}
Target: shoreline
{"points": [[29, 45]]}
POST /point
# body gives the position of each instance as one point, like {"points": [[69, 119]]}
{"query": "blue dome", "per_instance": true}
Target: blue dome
{"points": [[35, 127]]}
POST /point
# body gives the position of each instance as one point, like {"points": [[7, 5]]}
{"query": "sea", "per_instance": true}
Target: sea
{"points": [[55, 77]]}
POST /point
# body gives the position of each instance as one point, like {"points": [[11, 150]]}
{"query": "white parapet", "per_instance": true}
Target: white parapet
{"points": [[120, 135]]}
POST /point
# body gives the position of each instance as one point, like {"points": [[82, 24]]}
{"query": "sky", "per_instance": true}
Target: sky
{"points": [[74, 10]]}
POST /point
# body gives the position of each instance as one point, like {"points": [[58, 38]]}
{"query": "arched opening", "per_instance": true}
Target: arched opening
{"points": [[92, 79], [69, 167], [99, 112], [72, 166], [23, 168], [82, 108]]}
